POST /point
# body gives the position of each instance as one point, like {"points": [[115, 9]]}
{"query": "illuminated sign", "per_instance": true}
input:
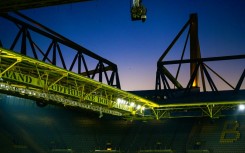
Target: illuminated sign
{"points": [[39, 83]]}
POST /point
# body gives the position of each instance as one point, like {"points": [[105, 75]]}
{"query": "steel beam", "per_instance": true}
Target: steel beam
{"points": [[54, 47], [15, 5], [207, 59], [194, 48]]}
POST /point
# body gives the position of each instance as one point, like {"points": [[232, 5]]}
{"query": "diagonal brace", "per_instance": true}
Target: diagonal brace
{"points": [[64, 75], [98, 87], [18, 60]]}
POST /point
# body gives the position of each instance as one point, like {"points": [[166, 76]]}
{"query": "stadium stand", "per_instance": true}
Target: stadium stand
{"points": [[27, 128]]}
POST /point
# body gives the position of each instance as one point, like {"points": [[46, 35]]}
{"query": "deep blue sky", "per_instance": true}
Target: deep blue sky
{"points": [[105, 27]]}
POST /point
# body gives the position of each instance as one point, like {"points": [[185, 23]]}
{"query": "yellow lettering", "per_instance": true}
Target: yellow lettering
{"points": [[230, 132]]}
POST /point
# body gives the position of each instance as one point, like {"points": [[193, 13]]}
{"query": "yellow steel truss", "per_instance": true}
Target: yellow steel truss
{"points": [[28, 75], [33, 78]]}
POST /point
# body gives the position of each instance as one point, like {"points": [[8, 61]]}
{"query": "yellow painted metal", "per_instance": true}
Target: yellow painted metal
{"points": [[199, 104], [8, 68], [22, 72], [64, 75], [48, 78]]}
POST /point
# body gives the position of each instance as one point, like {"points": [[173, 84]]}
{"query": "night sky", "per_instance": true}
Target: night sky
{"points": [[105, 27]]}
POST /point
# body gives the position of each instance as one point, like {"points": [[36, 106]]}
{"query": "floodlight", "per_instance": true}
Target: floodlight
{"points": [[118, 100], [241, 107], [138, 107], [132, 104]]}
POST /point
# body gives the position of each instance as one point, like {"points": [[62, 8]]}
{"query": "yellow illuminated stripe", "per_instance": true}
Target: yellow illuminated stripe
{"points": [[202, 104]]}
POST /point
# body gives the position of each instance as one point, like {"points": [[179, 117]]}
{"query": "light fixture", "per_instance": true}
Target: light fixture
{"points": [[57, 98], [138, 107], [138, 11], [241, 107], [132, 104]]}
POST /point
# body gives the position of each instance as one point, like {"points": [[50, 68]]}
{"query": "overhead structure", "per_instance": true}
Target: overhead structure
{"points": [[45, 83], [197, 65], [16, 5], [59, 72], [58, 50], [43, 73], [33, 79], [178, 100]]}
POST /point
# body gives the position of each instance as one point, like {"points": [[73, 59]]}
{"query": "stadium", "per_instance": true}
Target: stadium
{"points": [[50, 105]]}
